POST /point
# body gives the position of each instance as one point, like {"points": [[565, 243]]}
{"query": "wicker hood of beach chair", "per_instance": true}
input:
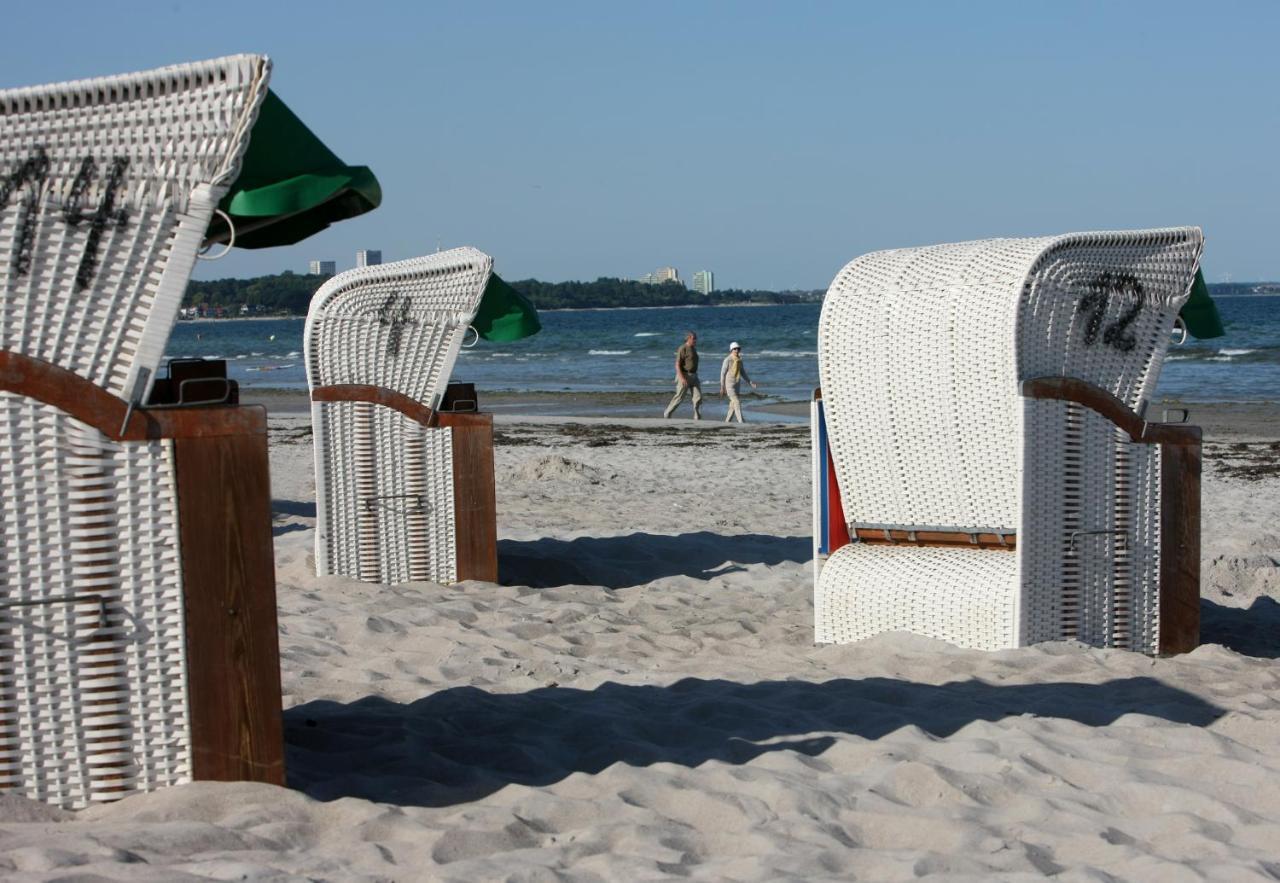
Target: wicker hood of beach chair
{"points": [[107, 187], [404, 492], [981, 437]]}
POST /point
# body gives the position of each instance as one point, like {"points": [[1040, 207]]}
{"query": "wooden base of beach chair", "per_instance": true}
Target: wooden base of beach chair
{"points": [[474, 496], [176, 674], [475, 505], [1180, 468]]}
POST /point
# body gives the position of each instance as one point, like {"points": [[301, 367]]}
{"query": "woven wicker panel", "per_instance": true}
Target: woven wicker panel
{"points": [[1100, 307], [398, 325], [388, 514], [91, 708], [106, 189], [920, 383], [1090, 563], [963, 596]]}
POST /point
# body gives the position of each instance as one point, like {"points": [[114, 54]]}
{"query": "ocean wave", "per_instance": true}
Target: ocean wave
{"points": [[1247, 355], [609, 353], [788, 354], [648, 334], [292, 355]]}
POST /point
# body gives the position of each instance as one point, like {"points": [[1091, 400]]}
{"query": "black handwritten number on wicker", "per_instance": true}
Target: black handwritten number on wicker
{"points": [[31, 171], [103, 214], [394, 313], [1094, 305]]}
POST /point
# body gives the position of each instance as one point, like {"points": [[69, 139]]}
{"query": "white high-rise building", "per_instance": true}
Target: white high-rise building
{"points": [[324, 268], [368, 257], [704, 282], [667, 274]]}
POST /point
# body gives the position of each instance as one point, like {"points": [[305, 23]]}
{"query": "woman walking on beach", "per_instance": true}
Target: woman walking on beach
{"points": [[733, 372]]}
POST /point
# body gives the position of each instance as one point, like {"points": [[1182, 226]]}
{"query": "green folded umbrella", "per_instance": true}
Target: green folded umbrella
{"points": [[290, 185], [505, 314], [1199, 313]]}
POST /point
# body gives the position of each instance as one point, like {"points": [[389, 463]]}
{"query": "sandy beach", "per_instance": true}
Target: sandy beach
{"points": [[640, 698]]}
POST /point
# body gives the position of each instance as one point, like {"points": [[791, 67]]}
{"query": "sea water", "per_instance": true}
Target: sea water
{"points": [[633, 350]]}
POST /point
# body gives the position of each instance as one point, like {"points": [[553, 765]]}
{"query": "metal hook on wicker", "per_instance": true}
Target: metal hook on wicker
{"points": [[230, 242], [467, 346], [1179, 325]]}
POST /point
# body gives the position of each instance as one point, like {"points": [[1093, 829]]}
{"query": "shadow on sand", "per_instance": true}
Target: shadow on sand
{"points": [[300, 508], [461, 744], [639, 558], [1251, 631]]}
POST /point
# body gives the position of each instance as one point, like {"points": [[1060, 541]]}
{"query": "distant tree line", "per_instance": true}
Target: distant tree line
{"points": [[1221, 289], [609, 292], [290, 294], [282, 294]]}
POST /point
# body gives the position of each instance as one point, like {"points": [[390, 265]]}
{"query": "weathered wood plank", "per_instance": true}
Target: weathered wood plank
{"points": [[1179, 548], [233, 657], [378, 395], [474, 495]]}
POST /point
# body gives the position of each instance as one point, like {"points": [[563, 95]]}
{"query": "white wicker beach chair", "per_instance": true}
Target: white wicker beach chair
{"points": [[396, 491], [106, 189], [983, 407]]}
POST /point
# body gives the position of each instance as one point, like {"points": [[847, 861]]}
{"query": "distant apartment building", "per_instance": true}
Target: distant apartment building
{"points": [[324, 268], [704, 282], [660, 275], [368, 257]]}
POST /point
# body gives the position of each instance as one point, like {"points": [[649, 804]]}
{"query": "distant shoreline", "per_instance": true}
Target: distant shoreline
{"points": [[1221, 421], [807, 303], [548, 310], [244, 318]]}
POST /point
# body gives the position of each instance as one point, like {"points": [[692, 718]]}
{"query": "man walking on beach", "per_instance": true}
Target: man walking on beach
{"points": [[687, 377]]}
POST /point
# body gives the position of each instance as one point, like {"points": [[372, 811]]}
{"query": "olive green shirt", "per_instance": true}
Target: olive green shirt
{"points": [[687, 357]]}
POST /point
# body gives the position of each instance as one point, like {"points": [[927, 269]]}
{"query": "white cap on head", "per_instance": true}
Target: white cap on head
{"points": [[734, 346]]}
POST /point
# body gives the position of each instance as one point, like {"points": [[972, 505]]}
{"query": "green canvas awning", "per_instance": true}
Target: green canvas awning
{"points": [[1199, 313], [505, 314], [290, 185]]}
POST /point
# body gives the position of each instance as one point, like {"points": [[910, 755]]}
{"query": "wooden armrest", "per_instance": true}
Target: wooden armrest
{"points": [[93, 405], [378, 395], [1072, 389]]}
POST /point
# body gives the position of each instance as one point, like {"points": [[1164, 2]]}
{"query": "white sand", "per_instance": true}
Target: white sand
{"points": [[645, 701]]}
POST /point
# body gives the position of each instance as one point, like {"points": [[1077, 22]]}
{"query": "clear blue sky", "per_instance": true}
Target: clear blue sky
{"points": [[769, 142]]}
